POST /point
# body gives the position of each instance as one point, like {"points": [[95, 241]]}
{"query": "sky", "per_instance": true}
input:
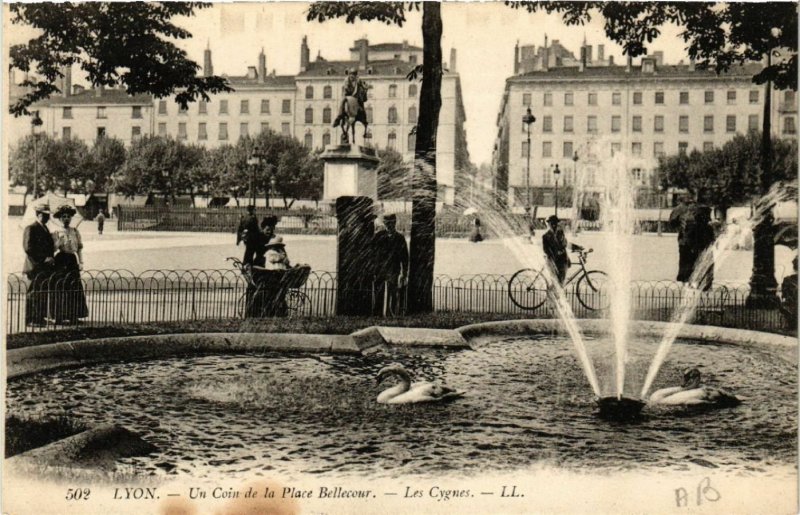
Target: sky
{"points": [[484, 35]]}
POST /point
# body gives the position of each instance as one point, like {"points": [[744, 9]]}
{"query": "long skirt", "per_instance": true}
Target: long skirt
{"points": [[69, 300]]}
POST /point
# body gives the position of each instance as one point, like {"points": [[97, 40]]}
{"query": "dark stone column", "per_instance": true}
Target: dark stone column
{"points": [[354, 265]]}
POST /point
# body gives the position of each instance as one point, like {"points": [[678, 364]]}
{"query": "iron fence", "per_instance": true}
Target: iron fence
{"points": [[122, 297]]}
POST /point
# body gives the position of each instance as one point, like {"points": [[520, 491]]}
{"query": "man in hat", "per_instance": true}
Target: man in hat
{"points": [[353, 87], [39, 265], [249, 233], [554, 244], [789, 295], [391, 270]]}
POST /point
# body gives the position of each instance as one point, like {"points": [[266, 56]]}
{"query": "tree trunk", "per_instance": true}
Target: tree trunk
{"points": [[423, 207]]}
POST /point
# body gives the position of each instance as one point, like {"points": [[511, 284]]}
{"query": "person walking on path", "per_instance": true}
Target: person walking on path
{"points": [[250, 234], [391, 273], [476, 236], [101, 221], [69, 300], [37, 242]]}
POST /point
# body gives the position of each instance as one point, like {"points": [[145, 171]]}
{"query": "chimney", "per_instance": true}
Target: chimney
{"points": [[659, 56], [545, 55], [363, 53], [251, 72], [582, 62], [98, 91], [601, 53], [304, 54], [628, 64], [453, 60], [77, 89], [66, 90], [262, 66], [208, 68], [589, 55], [405, 44]]}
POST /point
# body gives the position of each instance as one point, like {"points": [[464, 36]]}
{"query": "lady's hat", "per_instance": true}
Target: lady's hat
{"points": [[276, 243], [269, 221], [65, 210]]}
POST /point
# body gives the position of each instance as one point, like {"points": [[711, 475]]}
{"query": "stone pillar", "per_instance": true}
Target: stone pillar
{"points": [[351, 181]]}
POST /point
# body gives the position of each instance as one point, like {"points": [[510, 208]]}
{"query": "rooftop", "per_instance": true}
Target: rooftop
{"points": [[322, 67], [620, 71], [389, 47], [272, 81], [90, 97]]}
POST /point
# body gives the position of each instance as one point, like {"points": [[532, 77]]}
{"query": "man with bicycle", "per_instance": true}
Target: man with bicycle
{"points": [[554, 244]]}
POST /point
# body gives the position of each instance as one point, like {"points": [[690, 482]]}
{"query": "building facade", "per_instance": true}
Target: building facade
{"points": [[590, 110]]}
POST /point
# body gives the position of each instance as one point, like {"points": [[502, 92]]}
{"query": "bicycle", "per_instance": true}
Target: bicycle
{"points": [[528, 287], [272, 292]]}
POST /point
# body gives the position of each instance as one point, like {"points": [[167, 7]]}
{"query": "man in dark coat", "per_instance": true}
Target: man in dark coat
{"points": [[39, 266], [682, 217], [249, 233], [391, 272], [554, 245]]}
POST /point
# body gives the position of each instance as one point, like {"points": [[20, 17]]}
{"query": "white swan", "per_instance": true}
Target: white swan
{"points": [[693, 393], [406, 393]]}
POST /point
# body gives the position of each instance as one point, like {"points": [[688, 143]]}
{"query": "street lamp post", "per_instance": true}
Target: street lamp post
{"points": [[271, 187], [253, 162], [528, 119], [556, 172], [575, 192], [35, 122]]}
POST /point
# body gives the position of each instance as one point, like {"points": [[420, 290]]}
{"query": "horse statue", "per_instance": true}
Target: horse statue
{"points": [[353, 112]]}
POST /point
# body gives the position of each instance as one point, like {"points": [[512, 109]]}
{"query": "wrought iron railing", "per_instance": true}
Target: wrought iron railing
{"points": [[122, 297]]}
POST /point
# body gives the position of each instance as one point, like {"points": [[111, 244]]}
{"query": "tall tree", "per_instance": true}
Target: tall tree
{"points": [[128, 44], [423, 208], [105, 159]]}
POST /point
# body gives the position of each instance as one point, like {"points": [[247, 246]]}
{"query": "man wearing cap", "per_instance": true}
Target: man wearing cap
{"points": [[391, 270], [249, 233], [353, 87], [39, 266], [554, 244]]}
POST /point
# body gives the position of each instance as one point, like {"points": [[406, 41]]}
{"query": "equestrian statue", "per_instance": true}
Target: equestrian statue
{"points": [[352, 110]]}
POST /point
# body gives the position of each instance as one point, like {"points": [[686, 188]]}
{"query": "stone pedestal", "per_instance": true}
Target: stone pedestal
{"points": [[351, 181]]}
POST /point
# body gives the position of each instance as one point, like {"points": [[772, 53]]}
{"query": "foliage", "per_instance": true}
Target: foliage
{"points": [[113, 43], [103, 161], [393, 175], [729, 175], [153, 165], [390, 13], [716, 35], [57, 163]]}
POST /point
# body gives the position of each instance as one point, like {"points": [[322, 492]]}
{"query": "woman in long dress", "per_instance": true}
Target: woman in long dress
{"points": [[69, 300]]}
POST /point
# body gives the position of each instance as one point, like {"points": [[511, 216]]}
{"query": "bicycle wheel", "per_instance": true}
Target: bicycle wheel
{"points": [[297, 303], [592, 290], [527, 289]]}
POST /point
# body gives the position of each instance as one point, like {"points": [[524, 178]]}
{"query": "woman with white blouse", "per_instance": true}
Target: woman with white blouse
{"points": [[69, 298]]}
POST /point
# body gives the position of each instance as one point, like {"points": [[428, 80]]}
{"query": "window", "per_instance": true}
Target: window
{"points": [[183, 110], [223, 107], [66, 133], [308, 140], [412, 90], [136, 132], [683, 146], [101, 112], [709, 97], [731, 96], [548, 99], [708, 146], [202, 107], [637, 124], [66, 113], [568, 99], [369, 114], [326, 139], [752, 122], [658, 149], [789, 96], [616, 123], [182, 130], [412, 141], [412, 115], [637, 98], [684, 98], [286, 129], [636, 175], [591, 124], [592, 99], [659, 98], [326, 115], [309, 92], [616, 98], [286, 106], [730, 123], [202, 132], [264, 126], [568, 149], [244, 130], [708, 123], [264, 106], [547, 124], [636, 148], [526, 99], [223, 130], [789, 126], [524, 149], [753, 96], [658, 123], [162, 107], [392, 90], [412, 59], [392, 116], [162, 129], [392, 142], [547, 149], [244, 107], [616, 148], [136, 111], [327, 92], [568, 125], [683, 123], [309, 118], [101, 132]]}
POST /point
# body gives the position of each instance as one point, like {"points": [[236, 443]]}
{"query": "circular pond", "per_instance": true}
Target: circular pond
{"points": [[526, 402]]}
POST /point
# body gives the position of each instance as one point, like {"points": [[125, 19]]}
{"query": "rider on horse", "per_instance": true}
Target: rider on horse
{"points": [[353, 87]]}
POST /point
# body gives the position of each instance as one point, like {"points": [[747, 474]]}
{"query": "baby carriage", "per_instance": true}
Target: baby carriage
{"points": [[273, 293]]}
